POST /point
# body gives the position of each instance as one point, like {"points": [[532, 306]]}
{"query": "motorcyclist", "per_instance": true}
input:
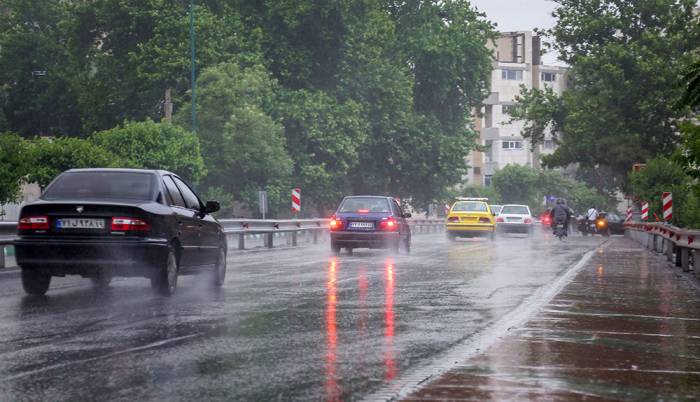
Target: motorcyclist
{"points": [[592, 214], [560, 215]]}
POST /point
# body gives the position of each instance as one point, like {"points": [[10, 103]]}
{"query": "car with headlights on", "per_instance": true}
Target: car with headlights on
{"points": [[515, 219], [470, 217], [104, 223], [370, 222]]}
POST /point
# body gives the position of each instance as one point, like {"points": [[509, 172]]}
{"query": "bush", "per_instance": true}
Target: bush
{"points": [[14, 166], [151, 145]]}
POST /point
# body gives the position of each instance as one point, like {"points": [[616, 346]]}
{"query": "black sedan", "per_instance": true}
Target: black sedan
{"points": [[104, 223], [370, 222]]}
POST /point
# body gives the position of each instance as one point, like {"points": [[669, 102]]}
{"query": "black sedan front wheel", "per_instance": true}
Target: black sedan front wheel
{"points": [[35, 283], [164, 281], [219, 274]]}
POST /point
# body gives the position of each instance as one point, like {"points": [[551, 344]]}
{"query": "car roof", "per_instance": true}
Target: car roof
{"points": [[120, 170], [369, 196], [516, 205]]}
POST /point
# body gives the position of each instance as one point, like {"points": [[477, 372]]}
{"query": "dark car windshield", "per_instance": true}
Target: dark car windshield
{"points": [[365, 204], [101, 185]]}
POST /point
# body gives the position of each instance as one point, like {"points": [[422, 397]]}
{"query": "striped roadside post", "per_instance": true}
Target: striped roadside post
{"points": [[629, 214], [296, 200], [645, 211], [667, 200]]}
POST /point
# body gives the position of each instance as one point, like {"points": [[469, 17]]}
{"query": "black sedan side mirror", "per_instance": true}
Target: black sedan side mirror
{"points": [[212, 206], [407, 215]]}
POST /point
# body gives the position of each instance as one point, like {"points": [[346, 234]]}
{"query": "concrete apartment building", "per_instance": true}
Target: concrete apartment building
{"points": [[516, 62]]}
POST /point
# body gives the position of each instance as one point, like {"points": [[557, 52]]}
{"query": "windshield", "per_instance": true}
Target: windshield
{"points": [[515, 210], [365, 204], [101, 185], [470, 207]]}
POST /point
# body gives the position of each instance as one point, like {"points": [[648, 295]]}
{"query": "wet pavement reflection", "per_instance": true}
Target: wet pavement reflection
{"points": [[287, 325], [626, 328]]}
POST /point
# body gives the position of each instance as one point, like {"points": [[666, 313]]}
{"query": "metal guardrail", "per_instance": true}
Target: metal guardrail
{"points": [[240, 231], [679, 245]]}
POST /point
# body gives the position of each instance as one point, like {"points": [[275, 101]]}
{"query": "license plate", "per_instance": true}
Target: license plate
{"points": [[80, 223], [362, 225], [513, 219], [560, 226]]}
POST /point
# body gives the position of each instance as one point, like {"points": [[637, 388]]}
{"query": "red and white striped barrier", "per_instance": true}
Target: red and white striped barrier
{"points": [[667, 206], [630, 215], [645, 211], [296, 200]]}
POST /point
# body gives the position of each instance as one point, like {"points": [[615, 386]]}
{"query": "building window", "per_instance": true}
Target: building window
{"points": [[512, 75], [489, 150], [508, 109], [548, 144], [477, 170], [487, 180], [549, 77], [512, 144]]}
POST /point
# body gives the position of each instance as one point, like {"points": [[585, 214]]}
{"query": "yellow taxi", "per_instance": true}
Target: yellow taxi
{"points": [[470, 217]]}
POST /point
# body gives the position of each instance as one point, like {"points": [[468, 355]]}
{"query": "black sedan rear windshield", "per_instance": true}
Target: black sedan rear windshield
{"points": [[101, 185], [365, 204]]}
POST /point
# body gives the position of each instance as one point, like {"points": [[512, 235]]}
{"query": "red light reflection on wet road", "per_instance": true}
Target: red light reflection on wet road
{"points": [[389, 363], [331, 386]]}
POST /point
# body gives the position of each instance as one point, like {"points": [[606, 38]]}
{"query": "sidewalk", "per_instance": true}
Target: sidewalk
{"points": [[626, 328]]}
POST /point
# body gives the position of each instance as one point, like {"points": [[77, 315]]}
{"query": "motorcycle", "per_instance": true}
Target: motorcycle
{"points": [[560, 230], [598, 226]]}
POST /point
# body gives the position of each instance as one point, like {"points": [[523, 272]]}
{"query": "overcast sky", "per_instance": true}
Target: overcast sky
{"points": [[520, 15]]}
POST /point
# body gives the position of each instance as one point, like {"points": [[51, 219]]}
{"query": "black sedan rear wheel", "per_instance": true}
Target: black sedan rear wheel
{"points": [[35, 283], [164, 280]]}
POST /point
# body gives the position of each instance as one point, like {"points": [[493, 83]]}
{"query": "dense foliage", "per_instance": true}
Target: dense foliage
{"points": [[332, 96], [516, 184], [626, 59]]}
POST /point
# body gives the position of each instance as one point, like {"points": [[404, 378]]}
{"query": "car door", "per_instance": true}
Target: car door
{"points": [[186, 223], [209, 239]]}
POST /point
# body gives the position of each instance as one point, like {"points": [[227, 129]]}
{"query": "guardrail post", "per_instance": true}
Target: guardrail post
{"points": [[669, 249], [685, 259], [678, 256], [696, 263], [2, 257], [241, 241], [269, 242], [315, 236], [294, 238]]}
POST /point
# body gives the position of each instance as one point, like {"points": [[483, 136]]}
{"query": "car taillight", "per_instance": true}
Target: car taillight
{"points": [[453, 219], [363, 211], [389, 224], [33, 223], [335, 224], [123, 224], [528, 220], [500, 220], [484, 220]]}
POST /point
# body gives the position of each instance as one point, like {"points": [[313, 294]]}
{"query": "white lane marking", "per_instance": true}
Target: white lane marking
{"points": [[482, 340], [652, 317], [107, 356]]}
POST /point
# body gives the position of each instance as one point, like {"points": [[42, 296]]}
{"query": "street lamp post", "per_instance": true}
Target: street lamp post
{"points": [[192, 68]]}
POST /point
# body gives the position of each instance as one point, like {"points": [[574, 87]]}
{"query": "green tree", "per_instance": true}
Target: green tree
{"points": [[625, 57], [51, 156], [14, 166], [518, 185], [242, 146], [662, 174], [150, 145]]}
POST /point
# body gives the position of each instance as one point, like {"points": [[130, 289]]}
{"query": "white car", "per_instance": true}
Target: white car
{"points": [[515, 219]]}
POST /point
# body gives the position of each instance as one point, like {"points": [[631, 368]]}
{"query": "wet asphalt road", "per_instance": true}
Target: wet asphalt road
{"points": [[287, 325]]}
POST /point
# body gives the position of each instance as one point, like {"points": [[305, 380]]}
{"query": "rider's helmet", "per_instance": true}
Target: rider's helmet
{"points": [[561, 201]]}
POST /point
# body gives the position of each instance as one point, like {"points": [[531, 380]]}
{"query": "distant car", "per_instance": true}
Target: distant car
{"points": [[515, 219], [496, 209], [615, 222], [370, 222], [104, 223], [470, 217]]}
